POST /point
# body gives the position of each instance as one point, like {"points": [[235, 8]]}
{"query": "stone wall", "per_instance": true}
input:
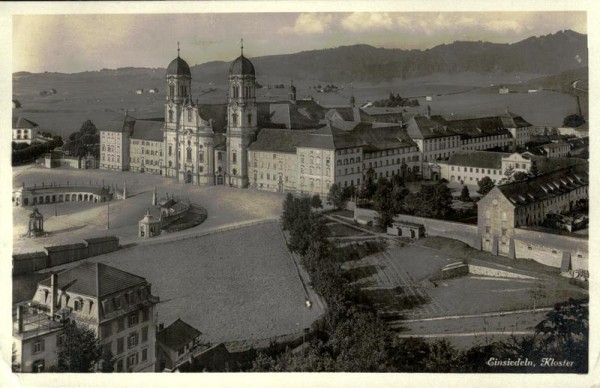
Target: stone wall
{"points": [[454, 230], [545, 248]]}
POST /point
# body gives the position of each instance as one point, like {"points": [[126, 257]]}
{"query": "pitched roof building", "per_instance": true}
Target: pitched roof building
{"points": [[117, 305]]}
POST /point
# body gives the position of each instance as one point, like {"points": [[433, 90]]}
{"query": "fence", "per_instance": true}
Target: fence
{"points": [[63, 254]]}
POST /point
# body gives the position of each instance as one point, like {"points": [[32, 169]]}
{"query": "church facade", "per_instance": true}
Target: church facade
{"points": [[193, 153]]}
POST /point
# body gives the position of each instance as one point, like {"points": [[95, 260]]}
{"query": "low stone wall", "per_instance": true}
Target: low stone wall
{"points": [[496, 273], [63, 254]]}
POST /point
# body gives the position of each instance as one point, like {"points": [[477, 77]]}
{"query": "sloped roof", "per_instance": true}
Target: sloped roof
{"points": [[148, 130], [22, 123], [420, 127], [476, 127], [95, 279], [511, 120], [279, 140], [482, 159], [177, 334], [545, 186]]}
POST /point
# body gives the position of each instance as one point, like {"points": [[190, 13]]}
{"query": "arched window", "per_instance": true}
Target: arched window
{"points": [[234, 119], [170, 152], [170, 115], [171, 90], [235, 91], [189, 115], [234, 157], [201, 157], [249, 119], [188, 153]]}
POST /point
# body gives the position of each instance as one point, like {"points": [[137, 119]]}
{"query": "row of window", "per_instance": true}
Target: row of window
{"points": [[133, 340], [130, 320], [395, 151], [148, 152], [132, 360], [147, 143]]}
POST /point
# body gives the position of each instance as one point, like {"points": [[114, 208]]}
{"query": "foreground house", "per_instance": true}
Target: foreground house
{"points": [[115, 304]]}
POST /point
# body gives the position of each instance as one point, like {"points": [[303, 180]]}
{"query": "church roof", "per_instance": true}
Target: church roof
{"points": [[95, 279], [241, 66], [179, 67]]}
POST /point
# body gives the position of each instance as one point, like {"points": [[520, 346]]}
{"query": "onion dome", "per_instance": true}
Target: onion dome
{"points": [[179, 67], [241, 66]]}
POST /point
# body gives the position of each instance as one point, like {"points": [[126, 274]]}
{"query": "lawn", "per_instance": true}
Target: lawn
{"points": [[234, 285], [408, 268]]}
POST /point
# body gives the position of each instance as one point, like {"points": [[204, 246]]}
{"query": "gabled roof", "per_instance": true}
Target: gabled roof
{"points": [[95, 279], [148, 130], [177, 334], [22, 123]]}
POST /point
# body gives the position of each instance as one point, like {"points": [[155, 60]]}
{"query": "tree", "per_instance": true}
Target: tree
{"points": [[107, 362], [508, 173], [384, 204], [336, 197], [485, 185], [288, 214], [80, 350], [316, 202], [533, 170], [368, 187], [520, 175], [573, 120], [464, 194]]}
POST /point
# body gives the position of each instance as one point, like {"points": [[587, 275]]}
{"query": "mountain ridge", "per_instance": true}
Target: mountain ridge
{"points": [[545, 54]]}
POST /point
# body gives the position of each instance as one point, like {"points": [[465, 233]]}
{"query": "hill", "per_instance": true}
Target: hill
{"points": [[548, 54]]}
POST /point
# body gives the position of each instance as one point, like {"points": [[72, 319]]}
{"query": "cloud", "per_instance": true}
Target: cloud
{"points": [[367, 21], [310, 23]]}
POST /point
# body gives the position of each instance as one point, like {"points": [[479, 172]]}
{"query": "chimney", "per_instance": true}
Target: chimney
{"points": [[53, 293], [19, 319]]}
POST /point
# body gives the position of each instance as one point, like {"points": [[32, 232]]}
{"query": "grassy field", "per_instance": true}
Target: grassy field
{"points": [[234, 285], [403, 271]]}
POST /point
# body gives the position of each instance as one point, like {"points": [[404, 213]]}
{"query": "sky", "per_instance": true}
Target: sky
{"points": [[81, 42]]}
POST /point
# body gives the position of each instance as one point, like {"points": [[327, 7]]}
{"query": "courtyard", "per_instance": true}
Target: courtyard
{"points": [[69, 222]]}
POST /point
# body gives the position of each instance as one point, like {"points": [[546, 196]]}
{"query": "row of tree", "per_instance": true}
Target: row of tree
{"points": [[26, 153]]}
